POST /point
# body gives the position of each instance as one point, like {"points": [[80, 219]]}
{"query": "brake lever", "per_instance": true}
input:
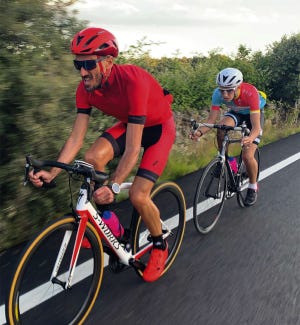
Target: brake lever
{"points": [[194, 127], [28, 164], [26, 173]]}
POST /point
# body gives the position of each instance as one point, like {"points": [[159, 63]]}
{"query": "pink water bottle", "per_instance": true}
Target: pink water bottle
{"points": [[233, 164], [113, 223]]}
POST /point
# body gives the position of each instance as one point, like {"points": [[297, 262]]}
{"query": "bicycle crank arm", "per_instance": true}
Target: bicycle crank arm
{"points": [[137, 264]]}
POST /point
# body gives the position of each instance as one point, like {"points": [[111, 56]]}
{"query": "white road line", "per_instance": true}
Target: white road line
{"points": [[275, 168], [189, 215]]}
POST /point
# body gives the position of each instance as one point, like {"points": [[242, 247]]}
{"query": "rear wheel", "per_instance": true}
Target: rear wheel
{"points": [[210, 196], [243, 179], [34, 298], [170, 201]]}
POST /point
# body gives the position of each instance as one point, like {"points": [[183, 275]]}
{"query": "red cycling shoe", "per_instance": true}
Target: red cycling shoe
{"points": [[156, 264]]}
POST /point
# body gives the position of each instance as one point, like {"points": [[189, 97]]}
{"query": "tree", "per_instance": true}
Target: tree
{"points": [[36, 74], [281, 65]]}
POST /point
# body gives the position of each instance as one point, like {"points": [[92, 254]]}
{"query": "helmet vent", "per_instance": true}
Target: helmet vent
{"points": [[86, 50], [91, 40], [230, 81], [103, 46], [79, 38]]}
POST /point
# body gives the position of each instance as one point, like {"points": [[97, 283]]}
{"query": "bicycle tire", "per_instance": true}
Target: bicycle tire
{"points": [[34, 299], [169, 199], [243, 180], [210, 196]]}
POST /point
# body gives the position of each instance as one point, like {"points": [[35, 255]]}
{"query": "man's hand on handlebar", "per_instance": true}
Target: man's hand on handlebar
{"points": [[195, 135], [246, 141], [39, 178], [103, 195]]}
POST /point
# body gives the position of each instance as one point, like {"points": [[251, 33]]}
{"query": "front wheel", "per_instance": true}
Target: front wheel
{"points": [[170, 201], [243, 179], [35, 299], [210, 196]]}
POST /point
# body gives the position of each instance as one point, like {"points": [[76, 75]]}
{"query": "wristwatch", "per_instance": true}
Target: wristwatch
{"points": [[115, 187]]}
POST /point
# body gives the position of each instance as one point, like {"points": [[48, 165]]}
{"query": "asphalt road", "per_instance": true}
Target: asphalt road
{"points": [[247, 271]]}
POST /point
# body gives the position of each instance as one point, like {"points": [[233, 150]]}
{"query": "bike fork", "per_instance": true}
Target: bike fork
{"points": [[60, 256], [64, 245]]}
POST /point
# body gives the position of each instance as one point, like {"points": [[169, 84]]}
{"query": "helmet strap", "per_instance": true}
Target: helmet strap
{"points": [[105, 73], [237, 92]]}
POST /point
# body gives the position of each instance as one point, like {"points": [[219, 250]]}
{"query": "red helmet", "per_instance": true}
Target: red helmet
{"points": [[96, 41]]}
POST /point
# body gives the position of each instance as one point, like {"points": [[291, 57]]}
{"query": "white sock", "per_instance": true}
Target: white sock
{"points": [[253, 186]]}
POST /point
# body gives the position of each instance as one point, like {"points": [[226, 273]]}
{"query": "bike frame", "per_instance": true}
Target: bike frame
{"points": [[226, 141], [84, 213], [87, 213]]}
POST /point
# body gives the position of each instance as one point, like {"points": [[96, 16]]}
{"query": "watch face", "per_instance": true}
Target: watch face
{"points": [[115, 188]]}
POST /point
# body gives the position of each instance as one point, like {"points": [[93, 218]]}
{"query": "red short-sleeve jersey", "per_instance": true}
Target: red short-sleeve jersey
{"points": [[248, 101], [130, 94]]}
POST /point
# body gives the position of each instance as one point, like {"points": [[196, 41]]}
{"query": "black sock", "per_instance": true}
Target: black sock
{"points": [[159, 242]]}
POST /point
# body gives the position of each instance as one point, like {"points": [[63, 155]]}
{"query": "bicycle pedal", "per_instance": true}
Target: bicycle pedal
{"points": [[137, 264], [229, 195]]}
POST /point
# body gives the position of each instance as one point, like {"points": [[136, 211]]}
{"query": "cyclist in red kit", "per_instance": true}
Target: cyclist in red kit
{"points": [[145, 120]]}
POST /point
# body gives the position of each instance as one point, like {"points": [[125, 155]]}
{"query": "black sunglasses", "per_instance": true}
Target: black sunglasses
{"points": [[86, 64]]}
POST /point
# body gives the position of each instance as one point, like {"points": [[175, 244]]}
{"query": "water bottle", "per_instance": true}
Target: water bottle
{"points": [[233, 164], [113, 223]]}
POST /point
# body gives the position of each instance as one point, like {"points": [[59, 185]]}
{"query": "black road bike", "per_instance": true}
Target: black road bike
{"points": [[218, 182]]}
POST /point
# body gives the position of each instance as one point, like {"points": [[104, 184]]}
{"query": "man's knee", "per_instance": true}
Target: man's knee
{"points": [[90, 156], [96, 157], [248, 156], [137, 196], [101, 152]]}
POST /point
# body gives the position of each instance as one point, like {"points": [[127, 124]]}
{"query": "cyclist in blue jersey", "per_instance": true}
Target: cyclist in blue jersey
{"points": [[244, 103]]}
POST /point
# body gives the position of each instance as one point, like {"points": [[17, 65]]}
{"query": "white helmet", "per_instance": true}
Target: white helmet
{"points": [[229, 78]]}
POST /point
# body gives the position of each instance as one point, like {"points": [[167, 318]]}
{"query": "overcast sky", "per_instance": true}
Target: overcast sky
{"points": [[194, 26]]}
